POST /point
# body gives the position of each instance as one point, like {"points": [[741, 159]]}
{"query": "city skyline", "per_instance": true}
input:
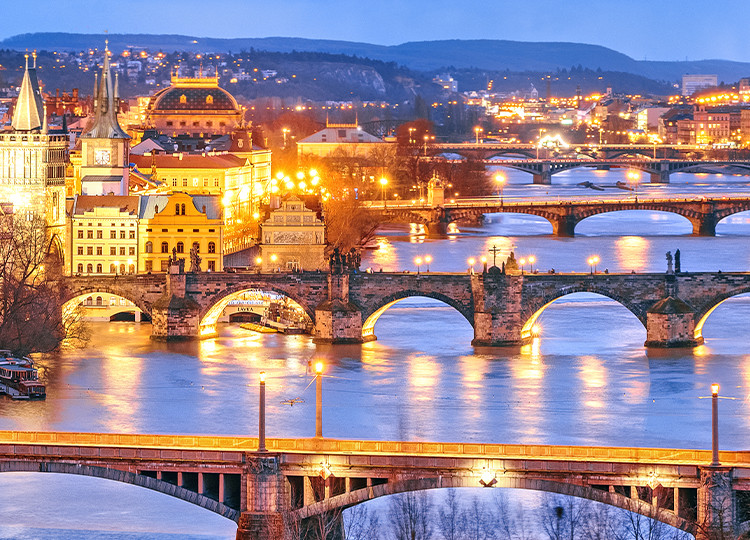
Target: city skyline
{"points": [[664, 31]]}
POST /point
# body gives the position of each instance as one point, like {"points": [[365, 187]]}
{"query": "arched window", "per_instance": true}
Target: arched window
{"points": [[131, 269], [149, 247], [90, 301], [211, 247], [112, 268], [164, 247], [99, 268], [122, 269], [176, 209], [209, 99], [80, 268], [89, 268], [183, 209], [99, 301], [180, 247], [183, 98]]}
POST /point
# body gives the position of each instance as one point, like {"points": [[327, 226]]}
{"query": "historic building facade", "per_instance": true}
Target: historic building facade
{"points": [[292, 239]]}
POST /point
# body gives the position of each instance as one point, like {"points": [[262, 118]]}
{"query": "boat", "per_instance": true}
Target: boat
{"points": [[258, 328], [19, 378]]}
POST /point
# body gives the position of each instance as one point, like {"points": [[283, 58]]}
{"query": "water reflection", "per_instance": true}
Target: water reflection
{"points": [[632, 252]]}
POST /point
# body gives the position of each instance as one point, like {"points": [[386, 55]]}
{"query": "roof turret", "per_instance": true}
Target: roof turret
{"points": [[27, 115], [106, 104]]}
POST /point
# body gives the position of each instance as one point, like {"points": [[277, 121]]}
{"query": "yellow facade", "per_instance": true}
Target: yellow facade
{"points": [[172, 224]]}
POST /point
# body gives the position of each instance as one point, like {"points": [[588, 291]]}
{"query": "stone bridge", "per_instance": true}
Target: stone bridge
{"points": [[487, 150], [702, 212], [344, 307], [301, 482], [658, 170]]}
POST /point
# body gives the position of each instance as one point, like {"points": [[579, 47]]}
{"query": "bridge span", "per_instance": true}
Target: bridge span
{"points": [[303, 480], [702, 212], [502, 308]]}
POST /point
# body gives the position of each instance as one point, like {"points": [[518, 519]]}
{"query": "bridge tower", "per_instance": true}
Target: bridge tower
{"points": [[338, 320], [175, 315], [497, 309]]}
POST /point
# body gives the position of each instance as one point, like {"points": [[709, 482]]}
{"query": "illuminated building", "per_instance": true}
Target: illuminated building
{"points": [[335, 136], [104, 235], [173, 224], [693, 83], [446, 82], [33, 161], [293, 238], [104, 147], [195, 107]]}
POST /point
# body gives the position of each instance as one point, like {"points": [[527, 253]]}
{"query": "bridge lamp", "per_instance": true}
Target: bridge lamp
{"points": [[262, 413], [715, 425], [522, 262], [488, 478], [427, 261], [500, 179], [418, 262], [536, 330], [483, 260], [319, 399], [471, 262], [383, 183], [532, 260], [477, 131]]}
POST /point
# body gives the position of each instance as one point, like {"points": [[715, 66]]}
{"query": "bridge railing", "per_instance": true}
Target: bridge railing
{"points": [[341, 446]]}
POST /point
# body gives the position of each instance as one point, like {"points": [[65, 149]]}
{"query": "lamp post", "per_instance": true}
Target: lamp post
{"points": [[522, 262], [483, 260], [427, 261], [262, 414], [471, 262], [477, 131], [383, 183], [500, 179], [285, 131], [319, 399], [411, 134], [418, 262], [593, 261], [715, 425], [532, 260], [633, 178]]}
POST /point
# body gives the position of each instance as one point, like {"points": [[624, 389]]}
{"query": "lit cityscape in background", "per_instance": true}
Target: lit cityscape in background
{"points": [[307, 289]]}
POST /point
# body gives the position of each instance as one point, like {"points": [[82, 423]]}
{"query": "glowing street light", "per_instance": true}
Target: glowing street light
{"points": [[472, 261], [383, 183], [427, 261], [411, 134], [262, 414], [715, 425], [593, 261], [633, 177], [285, 131], [522, 262], [319, 399], [477, 131], [483, 260], [418, 262], [500, 179], [532, 260]]}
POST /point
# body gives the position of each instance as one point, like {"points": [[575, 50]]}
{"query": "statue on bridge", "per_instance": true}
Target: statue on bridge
{"points": [[195, 259], [677, 268], [669, 263], [340, 263], [511, 265]]}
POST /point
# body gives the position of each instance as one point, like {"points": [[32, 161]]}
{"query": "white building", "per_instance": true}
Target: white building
{"points": [[693, 83]]}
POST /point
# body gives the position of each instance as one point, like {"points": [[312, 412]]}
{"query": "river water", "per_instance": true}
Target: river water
{"points": [[587, 380]]}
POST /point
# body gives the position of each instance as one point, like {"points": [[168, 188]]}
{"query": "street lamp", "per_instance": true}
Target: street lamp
{"points": [[532, 260], [319, 399], [427, 261], [383, 183], [539, 143], [715, 425], [477, 131], [411, 134], [262, 414], [483, 260], [418, 262], [471, 262], [593, 261], [633, 178], [285, 131], [522, 262], [500, 179]]}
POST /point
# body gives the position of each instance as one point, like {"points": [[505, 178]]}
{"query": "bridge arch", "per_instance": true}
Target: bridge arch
{"points": [[549, 486], [74, 296], [531, 315], [692, 220], [705, 310], [209, 315], [125, 477], [371, 316]]}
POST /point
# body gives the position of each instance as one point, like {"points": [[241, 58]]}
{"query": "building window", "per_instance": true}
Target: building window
{"points": [[209, 124], [212, 266], [113, 250], [112, 269], [112, 300], [211, 247], [90, 301], [180, 247], [205, 182], [170, 123], [122, 251], [99, 301], [113, 234], [209, 99], [196, 124], [90, 250], [149, 266], [99, 268], [98, 250], [164, 265], [131, 251], [132, 235], [80, 233], [80, 268], [174, 182], [90, 234], [122, 235], [149, 247], [80, 250], [183, 98], [184, 182], [131, 269], [164, 247], [99, 234], [122, 269], [89, 268], [216, 182], [182, 207]]}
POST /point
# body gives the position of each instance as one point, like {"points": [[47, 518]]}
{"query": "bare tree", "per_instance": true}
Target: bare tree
{"points": [[510, 520], [411, 516], [31, 292], [451, 517], [361, 524], [562, 517]]}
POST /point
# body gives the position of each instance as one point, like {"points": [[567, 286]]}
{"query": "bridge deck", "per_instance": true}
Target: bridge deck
{"points": [[45, 441]]}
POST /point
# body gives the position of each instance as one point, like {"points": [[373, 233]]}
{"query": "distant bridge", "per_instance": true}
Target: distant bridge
{"points": [[304, 480], [702, 212]]}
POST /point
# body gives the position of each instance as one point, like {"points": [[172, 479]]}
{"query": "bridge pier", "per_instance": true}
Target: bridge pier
{"points": [[497, 310], [564, 226], [661, 174], [706, 226], [337, 320], [670, 323], [263, 500], [544, 175], [716, 504], [175, 316]]}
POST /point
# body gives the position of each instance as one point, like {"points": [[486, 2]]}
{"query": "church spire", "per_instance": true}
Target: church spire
{"points": [[106, 104], [27, 114]]}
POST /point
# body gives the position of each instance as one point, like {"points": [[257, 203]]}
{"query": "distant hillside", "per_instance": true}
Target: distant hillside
{"points": [[424, 55]]}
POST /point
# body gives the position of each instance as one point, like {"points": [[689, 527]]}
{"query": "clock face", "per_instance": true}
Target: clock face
{"points": [[101, 157]]}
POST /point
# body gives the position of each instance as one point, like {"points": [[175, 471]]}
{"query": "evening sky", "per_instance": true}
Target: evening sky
{"points": [[651, 29]]}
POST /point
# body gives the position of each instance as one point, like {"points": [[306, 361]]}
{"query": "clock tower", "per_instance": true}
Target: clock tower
{"points": [[105, 150]]}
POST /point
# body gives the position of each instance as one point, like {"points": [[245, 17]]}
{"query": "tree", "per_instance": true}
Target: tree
{"points": [[361, 524], [451, 517], [411, 516], [31, 292]]}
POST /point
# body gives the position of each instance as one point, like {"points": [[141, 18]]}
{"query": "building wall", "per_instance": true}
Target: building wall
{"points": [[292, 238], [104, 241]]}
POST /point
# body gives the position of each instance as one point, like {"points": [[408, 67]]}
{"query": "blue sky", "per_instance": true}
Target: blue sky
{"points": [[654, 29]]}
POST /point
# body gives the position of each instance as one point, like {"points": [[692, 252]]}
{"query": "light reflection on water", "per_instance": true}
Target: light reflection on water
{"points": [[587, 379]]}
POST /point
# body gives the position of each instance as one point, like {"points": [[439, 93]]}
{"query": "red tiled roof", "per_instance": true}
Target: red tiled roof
{"points": [[188, 161]]}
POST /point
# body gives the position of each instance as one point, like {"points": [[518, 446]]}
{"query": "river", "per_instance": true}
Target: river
{"points": [[587, 380]]}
